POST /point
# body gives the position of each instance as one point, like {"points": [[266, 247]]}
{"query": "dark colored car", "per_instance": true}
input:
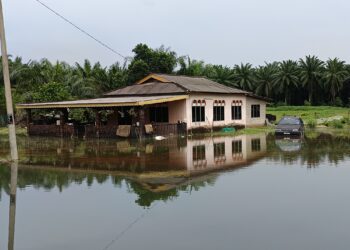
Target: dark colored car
{"points": [[290, 125]]}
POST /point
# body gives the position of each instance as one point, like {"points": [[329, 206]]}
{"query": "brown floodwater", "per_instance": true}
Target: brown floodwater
{"points": [[243, 192]]}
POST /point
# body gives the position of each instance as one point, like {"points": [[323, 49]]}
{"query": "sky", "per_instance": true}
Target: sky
{"points": [[225, 32]]}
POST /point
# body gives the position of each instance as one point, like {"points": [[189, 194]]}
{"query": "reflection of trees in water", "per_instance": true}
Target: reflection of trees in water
{"points": [[322, 148], [48, 180]]}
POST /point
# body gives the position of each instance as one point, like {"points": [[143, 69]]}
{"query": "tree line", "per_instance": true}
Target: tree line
{"points": [[308, 81]]}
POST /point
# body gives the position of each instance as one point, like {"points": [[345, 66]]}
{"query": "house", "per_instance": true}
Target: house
{"points": [[170, 103]]}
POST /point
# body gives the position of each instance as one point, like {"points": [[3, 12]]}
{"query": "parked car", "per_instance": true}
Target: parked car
{"points": [[290, 125]]}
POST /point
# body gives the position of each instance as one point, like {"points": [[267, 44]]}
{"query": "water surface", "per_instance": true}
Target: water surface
{"points": [[244, 192]]}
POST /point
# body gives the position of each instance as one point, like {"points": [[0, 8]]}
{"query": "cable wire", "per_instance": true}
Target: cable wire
{"points": [[121, 234], [80, 29]]}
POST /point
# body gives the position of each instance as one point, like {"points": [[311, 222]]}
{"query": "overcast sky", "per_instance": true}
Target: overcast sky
{"points": [[221, 32]]}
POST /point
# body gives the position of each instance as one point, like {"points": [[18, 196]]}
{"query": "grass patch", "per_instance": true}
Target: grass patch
{"points": [[19, 131], [244, 131], [309, 113]]}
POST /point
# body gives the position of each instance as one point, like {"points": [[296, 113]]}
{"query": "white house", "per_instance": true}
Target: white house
{"points": [[165, 101]]}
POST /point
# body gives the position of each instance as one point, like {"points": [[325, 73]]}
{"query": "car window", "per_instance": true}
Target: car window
{"points": [[289, 121]]}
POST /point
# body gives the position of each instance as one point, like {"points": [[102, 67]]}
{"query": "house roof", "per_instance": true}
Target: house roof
{"points": [[105, 102], [159, 84], [149, 88]]}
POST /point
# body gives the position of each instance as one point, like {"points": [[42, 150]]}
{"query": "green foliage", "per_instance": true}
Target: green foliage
{"points": [[147, 60], [311, 123], [337, 124], [338, 102], [311, 74], [52, 91], [308, 81], [307, 103]]}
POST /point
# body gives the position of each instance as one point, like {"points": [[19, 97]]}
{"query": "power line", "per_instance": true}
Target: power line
{"points": [[80, 29]]}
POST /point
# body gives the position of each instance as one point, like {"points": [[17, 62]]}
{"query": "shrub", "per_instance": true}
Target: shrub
{"points": [[337, 124], [307, 103], [338, 102], [311, 124]]}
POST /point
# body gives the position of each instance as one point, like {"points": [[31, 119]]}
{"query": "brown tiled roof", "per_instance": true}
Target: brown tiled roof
{"points": [[163, 84], [149, 88], [201, 84]]}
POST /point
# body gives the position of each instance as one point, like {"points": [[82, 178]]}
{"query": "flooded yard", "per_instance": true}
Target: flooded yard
{"points": [[243, 192]]}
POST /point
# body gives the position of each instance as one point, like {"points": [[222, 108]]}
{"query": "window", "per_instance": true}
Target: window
{"points": [[256, 145], [236, 147], [219, 152], [219, 111], [198, 152], [199, 156], [236, 110], [198, 111], [255, 111], [159, 114]]}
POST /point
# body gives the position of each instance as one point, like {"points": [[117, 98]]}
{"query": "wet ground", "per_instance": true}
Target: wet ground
{"points": [[244, 192]]}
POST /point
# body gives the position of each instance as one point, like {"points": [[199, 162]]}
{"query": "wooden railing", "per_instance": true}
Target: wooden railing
{"points": [[51, 130], [104, 131]]}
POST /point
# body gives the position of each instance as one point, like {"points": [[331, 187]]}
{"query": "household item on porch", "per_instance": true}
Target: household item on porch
{"points": [[228, 129], [159, 138], [123, 130], [124, 147], [149, 129]]}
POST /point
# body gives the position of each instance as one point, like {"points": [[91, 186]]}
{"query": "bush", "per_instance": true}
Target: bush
{"points": [[337, 124], [307, 103], [311, 124], [338, 102]]}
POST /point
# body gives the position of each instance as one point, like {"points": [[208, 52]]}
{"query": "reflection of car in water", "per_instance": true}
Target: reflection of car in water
{"points": [[290, 125], [289, 144]]}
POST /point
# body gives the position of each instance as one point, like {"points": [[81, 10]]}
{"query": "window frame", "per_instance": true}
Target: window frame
{"points": [[236, 104], [198, 111], [219, 110], [255, 111]]}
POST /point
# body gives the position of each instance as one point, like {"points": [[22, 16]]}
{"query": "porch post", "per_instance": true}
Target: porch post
{"points": [[115, 110], [97, 122], [63, 120], [142, 121], [29, 117]]}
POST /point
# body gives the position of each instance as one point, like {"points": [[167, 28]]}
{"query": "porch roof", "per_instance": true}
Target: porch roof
{"points": [[104, 102]]}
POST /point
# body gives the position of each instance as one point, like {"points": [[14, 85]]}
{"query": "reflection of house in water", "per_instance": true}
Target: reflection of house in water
{"points": [[224, 152], [157, 165]]}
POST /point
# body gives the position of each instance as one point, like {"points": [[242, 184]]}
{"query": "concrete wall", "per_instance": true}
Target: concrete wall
{"points": [[177, 111], [209, 99], [251, 122]]}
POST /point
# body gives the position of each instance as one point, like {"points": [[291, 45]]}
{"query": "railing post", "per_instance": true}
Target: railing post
{"points": [[141, 122], [97, 122]]}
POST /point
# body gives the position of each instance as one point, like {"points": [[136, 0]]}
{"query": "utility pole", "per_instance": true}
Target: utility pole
{"points": [[9, 105]]}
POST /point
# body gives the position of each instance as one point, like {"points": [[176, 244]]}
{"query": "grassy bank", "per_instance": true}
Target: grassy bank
{"points": [[309, 113], [19, 131]]}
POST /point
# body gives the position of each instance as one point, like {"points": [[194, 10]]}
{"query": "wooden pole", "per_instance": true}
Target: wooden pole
{"points": [[12, 210], [9, 105]]}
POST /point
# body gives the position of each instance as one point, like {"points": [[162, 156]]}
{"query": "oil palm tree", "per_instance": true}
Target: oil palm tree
{"points": [[265, 78], [190, 67], [222, 74], [287, 78], [87, 80], [244, 76], [334, 76], [311, 74]]}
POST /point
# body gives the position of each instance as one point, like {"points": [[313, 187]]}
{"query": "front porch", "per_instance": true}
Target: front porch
{"points": [[120, 118]]}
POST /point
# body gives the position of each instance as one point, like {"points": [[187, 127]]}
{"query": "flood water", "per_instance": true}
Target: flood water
{"points": [[245, 192]]}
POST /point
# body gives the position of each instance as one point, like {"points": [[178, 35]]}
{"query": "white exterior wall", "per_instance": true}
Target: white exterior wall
{"points": [[209, 99], [251, 122], [177, 111]]}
